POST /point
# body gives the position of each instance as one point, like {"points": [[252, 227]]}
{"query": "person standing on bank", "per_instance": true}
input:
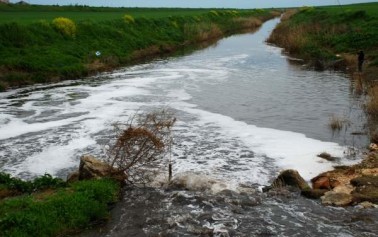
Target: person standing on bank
{"points": [[361, 58]]}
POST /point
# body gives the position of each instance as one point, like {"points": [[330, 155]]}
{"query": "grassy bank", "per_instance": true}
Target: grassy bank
{"points": [[49, 207], [330, 37], [324, 32], [42, 50]]}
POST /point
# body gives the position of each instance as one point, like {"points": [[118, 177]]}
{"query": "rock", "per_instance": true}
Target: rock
{"points": [[92, 168], [367, 205], [321, 182], [373, 147], [334, 183], [370, 172], [313, 193], [365, 181], [336, 198], [344, 189], [290, 178], [73, 177], [366, 189], [326, 156]]}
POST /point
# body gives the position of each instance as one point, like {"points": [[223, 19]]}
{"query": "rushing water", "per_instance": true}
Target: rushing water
{"points": [[244, 113]]}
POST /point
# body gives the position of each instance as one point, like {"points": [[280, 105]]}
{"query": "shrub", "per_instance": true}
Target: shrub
{"points": [[141, 144], [214, 13], [128, 19], [65, 26]]}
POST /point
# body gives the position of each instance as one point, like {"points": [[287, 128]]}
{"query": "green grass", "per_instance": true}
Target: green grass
{"points": [[370, 8], [37, 52], [323, 32], [57, 211], [33, 13], [20, 186]]}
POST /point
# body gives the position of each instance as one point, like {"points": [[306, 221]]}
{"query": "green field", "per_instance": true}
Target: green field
{"points": [[34, 49], [34, 13], [370, 8], [27, 17]]}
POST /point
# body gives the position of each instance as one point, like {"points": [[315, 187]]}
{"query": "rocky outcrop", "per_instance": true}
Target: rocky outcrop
{"points": [[348, 185], [366, 189], [92, 168], [337, 198]]}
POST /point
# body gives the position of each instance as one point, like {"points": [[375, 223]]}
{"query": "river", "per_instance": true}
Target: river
{"points": [[245, 112]]}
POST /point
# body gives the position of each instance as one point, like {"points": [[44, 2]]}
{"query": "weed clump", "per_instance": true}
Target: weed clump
{"points": [[214, 13], [65, 26], [336, 123], [128, 19]]}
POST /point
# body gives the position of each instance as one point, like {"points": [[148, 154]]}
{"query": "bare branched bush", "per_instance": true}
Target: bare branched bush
{"points": [[141, 145]]}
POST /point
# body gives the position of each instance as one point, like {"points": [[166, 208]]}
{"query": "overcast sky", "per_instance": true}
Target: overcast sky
{"points": [[197, 3]]}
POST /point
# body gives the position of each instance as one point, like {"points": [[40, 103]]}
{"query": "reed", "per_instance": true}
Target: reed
{"points": [[372, 103], [336, 123], [248, 22], [293, 39]]}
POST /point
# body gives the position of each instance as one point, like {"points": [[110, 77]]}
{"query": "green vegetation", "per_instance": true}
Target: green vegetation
{"points": [[27, 14], [324, 32], [57, 210], [39, 51], [20, 186]]}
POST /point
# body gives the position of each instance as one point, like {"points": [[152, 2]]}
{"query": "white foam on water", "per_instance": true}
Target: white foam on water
{"points": [[17, 127], [289, 150], [53, 158]]}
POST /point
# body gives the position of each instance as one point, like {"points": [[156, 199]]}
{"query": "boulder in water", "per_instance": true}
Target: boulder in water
{"points": [[289, 178]]}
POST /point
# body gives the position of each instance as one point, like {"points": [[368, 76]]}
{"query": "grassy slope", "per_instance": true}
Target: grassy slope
{"points": [[49, 207], [35, 52], [326, 31]]}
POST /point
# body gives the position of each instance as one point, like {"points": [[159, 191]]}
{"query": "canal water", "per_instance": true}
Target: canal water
{"points": [[244, 112]]}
